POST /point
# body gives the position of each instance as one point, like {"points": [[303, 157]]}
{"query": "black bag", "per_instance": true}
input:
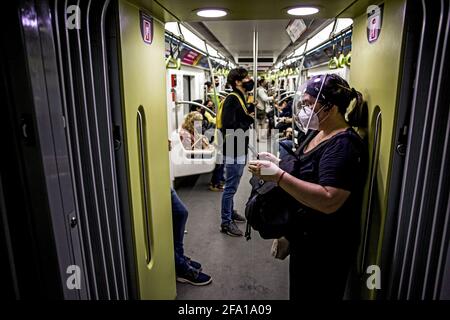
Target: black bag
{"points": [[269, 207], [265, 213]]}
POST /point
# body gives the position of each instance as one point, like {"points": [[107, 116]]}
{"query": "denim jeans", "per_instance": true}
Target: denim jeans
{"points": [[233, 173], [218, 174], [179, 216]]}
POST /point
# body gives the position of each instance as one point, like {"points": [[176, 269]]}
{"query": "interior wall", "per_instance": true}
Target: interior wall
{"points": [[375, 72]]}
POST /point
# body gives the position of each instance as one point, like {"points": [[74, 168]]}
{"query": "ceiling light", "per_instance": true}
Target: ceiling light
{"points": [[302, 11], [211, 13]]}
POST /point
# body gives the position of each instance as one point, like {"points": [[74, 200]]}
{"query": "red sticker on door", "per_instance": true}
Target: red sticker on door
{"points": [[146, 28]]}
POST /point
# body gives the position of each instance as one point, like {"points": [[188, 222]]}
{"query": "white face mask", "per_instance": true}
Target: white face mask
{"points": [[304, 115], [307, 119]]}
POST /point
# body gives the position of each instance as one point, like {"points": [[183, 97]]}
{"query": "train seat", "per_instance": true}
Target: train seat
{"points": [[190, 162]]}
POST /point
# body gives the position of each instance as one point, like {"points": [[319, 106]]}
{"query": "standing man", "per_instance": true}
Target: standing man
{"points": [[236, 119]]}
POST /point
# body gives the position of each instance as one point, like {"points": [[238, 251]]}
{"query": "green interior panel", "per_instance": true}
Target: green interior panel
{"points": [[143, 78], [375, 72]]}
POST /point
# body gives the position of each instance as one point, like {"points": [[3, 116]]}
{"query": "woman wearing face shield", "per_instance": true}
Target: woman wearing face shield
{"points": [[327, 185]]}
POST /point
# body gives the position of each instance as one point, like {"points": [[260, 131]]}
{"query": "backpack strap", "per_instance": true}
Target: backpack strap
{"points": [[220, 109], [244, 107], [289, 150]]}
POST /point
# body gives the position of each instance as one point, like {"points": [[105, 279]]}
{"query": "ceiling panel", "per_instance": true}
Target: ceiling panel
{"points": [[237, 36], [252, 9], [233, 34]]}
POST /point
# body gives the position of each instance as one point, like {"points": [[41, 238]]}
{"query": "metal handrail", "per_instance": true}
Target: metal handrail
{"points": [[144, 183], [300, 70], [287, 97], [255, 91], [196, 104], [373, 172]]}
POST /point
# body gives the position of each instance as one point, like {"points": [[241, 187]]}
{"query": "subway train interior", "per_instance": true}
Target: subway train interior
{"points": [[100, 97]]}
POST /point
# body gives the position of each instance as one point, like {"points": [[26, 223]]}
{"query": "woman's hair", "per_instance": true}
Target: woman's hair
{"points": [[193, 107], [189, 120], [261, 82], [336, 91], [237, 74]]}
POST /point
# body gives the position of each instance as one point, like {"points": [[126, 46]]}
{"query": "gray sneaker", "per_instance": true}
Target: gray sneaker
{"points": [[231, 229]]}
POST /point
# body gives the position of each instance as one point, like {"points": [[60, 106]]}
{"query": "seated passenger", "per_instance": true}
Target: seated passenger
{"points": [[211, 119], [217, 179], [327, 185], [286, 108], [186, 269], [190, 136], [205, 123], [285, 116]]}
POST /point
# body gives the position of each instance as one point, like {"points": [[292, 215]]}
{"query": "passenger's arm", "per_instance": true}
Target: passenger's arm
{"points": [[263, 96], [339, 172], [321, 198]]}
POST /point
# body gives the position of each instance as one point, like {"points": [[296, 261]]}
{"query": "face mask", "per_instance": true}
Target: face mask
{"points": [[307, 119], [248, 85]]}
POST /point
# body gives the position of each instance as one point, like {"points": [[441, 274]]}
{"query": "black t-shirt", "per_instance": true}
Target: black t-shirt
{"points": [[235, 120], [338, 162]]}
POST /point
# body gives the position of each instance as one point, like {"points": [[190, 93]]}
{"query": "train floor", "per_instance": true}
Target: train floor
{"points": [[240, 269]]}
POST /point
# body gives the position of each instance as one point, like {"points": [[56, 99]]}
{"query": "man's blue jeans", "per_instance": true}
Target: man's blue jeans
{"points": [[179, 216], [233, 173], [217, 175]]}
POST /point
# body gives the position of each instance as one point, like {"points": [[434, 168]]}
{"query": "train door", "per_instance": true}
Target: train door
{"points": [[40, 226], [415, 252], [187, 93], [401, 75], [375, 71], [87, 63], [143, 77]]}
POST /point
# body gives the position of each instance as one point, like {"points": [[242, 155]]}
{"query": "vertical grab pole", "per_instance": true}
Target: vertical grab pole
{"points": [[300, 69], [216, 100], [255, 91], [176, 109]]}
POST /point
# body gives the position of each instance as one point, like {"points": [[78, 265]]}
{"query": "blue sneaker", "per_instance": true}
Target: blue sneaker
{"points": [[193, 264], [194, 277]]}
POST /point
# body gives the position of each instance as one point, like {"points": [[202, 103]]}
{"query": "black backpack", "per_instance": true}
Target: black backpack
{"points": [[269, 208]]}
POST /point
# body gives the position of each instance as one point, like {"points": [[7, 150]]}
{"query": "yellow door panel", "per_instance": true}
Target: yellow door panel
{"points": [[375, 71], [145, 116]]}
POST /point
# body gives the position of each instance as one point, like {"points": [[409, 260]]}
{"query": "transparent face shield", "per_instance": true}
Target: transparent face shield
{"points": [[305, 103]]}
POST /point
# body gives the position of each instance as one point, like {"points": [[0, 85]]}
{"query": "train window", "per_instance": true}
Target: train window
{"points": [[191, 38], [212, 51], [342, 23], [172, 27], [320, 37], [300, 50]]}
